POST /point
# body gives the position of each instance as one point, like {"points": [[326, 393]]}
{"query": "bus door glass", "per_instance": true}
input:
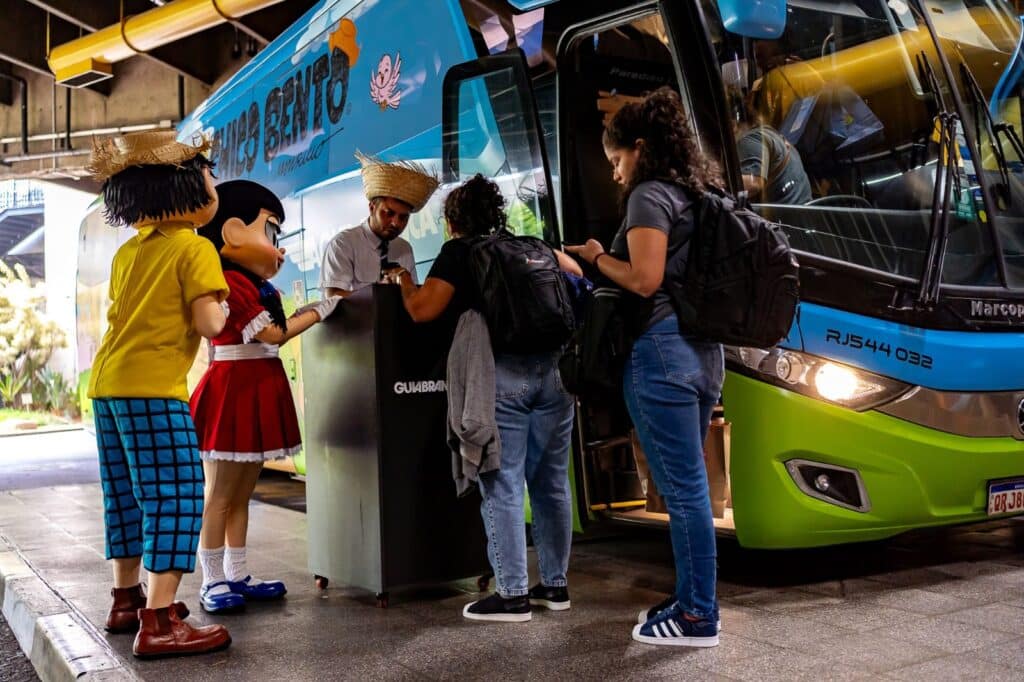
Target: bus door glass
{"points": [[490, 126], [836, 126], [612, 63], [604, 64]]}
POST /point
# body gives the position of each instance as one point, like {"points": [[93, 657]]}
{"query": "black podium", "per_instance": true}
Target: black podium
{"points": [[382, 512]]}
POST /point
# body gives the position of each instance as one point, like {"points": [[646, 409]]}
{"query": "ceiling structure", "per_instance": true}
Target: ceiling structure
{"points": [[202, 60]]}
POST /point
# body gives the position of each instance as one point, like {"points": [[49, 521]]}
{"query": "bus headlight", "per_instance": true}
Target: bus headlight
{"points": [[816, 377]]}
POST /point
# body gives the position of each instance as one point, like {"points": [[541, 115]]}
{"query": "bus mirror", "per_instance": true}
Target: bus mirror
{"points": [[762, 19]]}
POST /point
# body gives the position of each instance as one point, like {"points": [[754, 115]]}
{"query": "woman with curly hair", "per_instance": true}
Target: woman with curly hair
{"points": [[534, 416], [672, 379]]}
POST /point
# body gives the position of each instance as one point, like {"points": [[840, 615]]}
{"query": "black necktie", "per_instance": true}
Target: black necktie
{"points": [[383, 248]]}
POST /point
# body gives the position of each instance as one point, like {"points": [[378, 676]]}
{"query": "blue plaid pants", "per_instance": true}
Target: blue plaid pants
{"points": [[152, 481]]}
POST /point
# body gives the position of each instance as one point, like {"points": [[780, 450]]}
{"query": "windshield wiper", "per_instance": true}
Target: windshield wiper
{"points": [[993, 129], [945, 175], [938, 229]]}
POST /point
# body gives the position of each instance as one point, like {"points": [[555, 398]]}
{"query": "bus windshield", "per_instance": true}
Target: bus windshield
{"points": [[837, 125], [982, 42]]}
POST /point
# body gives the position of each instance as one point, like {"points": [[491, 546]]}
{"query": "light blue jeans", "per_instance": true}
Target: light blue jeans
{"points": [[534, 415], [671, 385]]}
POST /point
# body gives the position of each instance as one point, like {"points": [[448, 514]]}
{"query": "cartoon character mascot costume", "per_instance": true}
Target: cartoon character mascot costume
{"points": [[243, 406], [166, 288]]}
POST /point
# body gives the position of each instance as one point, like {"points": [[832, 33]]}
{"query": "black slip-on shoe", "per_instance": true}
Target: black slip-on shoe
{"points": [[553, 598], [498, 609]]}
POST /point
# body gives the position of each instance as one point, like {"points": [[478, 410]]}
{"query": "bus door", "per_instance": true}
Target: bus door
{"points": [[602, 65], [490, 125]]}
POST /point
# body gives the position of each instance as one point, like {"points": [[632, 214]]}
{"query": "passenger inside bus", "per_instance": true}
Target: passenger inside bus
{"points": [[772, 170]]}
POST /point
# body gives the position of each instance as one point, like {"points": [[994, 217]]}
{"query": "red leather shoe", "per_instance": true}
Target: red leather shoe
{"points": [[162, 633], [124, 612]]}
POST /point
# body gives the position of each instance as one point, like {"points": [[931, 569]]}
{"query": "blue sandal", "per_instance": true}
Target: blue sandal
{"points": [[261, 591], [221, 602]]}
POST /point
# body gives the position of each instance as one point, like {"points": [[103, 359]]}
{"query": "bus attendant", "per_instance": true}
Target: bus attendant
{"points": [[671, 381], [358, 256], [534, 416]]}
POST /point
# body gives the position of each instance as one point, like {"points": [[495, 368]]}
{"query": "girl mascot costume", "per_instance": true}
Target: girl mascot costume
{"points": [[243, 407]]}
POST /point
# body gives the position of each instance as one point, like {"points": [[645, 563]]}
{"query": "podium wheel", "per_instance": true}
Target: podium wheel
{"points": [[382, 600], [321, 582], [484, 581]]}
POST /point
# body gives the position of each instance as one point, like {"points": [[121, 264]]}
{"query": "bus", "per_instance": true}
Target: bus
{"points": [[896, 401]]}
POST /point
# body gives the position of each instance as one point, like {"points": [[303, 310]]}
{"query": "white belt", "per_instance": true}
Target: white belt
{"points": [[245, 351]]}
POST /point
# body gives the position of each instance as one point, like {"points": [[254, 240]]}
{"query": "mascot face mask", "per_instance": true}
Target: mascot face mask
{"points": [[254, 245], [246, 228]]}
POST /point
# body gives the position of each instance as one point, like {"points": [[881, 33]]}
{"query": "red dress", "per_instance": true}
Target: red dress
{"points": [[242, 407]]}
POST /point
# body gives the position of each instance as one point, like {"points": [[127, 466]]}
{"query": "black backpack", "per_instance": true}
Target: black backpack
{"points": [[738, 281], [594, 361], [523, 295]]}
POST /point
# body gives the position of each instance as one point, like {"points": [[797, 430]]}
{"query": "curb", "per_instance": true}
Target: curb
{"points": [[61, 644]]}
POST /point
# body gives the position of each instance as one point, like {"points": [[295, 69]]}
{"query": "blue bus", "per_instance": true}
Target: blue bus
{"points": [[897, 400]]}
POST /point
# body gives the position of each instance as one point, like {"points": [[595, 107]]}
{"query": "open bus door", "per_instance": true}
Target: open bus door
{"points": [[491, 125]]}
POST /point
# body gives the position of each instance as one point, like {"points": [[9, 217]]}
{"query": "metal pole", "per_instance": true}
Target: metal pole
{"points": [[67, 118], [7, 160]]}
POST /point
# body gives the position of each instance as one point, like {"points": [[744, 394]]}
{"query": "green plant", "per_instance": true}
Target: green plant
{"points": [[12, 383], [54, 388], [27, 336]]}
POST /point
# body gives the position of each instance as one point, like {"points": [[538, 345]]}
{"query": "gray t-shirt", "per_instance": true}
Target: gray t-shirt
{"points": [[765, 153], [663, 206]]}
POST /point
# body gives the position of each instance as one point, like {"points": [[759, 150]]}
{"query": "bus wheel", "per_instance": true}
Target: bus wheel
{"points": [[382, 600], [484, 581], [321, 582]]}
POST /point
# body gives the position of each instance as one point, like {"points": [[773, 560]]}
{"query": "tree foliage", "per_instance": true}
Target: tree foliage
{"points": [[27, 336]]}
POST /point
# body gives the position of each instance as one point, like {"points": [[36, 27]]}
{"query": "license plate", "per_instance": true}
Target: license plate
{"points": [[1006, 497]]}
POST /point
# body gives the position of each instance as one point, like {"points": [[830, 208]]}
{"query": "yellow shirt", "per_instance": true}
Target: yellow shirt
{"points": [[151, 342]]}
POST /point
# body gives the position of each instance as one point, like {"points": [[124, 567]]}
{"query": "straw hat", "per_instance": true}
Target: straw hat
{"points": [[148, 148], [406, 181]]}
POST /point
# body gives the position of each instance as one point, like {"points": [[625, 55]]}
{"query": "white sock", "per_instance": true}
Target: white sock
{"points": [[234, 563], [212, 561]]}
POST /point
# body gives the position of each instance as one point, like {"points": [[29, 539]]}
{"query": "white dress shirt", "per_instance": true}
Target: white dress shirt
{"points": [[352, 259]]}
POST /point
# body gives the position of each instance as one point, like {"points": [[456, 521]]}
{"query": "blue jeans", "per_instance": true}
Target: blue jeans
{"points": [[534, 415], [671, 385]]}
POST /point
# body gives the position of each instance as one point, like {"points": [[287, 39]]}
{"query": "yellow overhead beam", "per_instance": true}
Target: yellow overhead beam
{"points": [[87, 59]]}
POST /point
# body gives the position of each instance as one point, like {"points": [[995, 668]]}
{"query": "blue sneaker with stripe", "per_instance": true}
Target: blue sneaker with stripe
{"points": [[648, 613], [670, 628]]}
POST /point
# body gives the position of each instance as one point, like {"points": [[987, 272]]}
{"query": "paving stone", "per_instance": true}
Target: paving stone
{"points": [[921, 601], [870, 651], [859, 616], [786, 665], [787, 600], [859, 613], [950, 668], [1009, 654], [782, 630], [1000, 617], [944, 634]]}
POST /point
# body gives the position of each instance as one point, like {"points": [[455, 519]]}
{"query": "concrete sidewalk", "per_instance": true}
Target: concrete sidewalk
{"points": [[945, 606]]}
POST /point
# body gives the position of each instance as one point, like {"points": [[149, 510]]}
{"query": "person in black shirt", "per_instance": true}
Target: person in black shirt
{"points": [[534, 415]]}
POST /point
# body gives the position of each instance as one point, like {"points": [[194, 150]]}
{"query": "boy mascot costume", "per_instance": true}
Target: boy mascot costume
{"points": [[166, 288], [243, 406]]}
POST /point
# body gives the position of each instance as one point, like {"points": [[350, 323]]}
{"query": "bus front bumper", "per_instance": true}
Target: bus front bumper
{"points": [[913, 476]]}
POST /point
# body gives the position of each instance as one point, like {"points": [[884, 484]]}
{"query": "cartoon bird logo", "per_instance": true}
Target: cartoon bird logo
{"points": [[383, 84]]}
